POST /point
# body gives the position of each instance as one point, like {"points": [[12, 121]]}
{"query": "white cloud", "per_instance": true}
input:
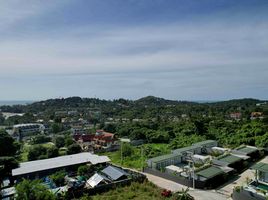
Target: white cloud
{"points": [[175, 60], [15, 12], [130, 49]]}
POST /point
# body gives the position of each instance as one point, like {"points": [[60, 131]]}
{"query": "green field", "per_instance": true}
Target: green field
{"points": [[138, 158]]}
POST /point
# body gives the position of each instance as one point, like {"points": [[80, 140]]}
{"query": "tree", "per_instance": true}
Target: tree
{"points": [[68, 141], [6, 166], [33, 190], [83, 170], [39, 139], [262, 141], [37, 152], [52, 152], [56, 128], [110, 128], [157, 136], [8, 146], [2, 119], [73, 149], [58, 178], [200, 127], [127, 149], [59, 141]]}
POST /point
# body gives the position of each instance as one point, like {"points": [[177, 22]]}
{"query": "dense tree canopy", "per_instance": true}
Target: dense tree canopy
{"points": [[73, 149], [8, 146], [33, 190]]}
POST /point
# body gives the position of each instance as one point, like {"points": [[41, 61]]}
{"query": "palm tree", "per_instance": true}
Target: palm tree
{"points": [[183, 195]]}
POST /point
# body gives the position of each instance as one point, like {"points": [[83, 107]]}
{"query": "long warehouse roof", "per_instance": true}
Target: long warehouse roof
{"points": [[58, 162]]}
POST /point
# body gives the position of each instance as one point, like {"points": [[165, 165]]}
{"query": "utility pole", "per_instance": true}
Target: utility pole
{"points": [[121, 145], [192, 169], [193, 176], [141, 158]]}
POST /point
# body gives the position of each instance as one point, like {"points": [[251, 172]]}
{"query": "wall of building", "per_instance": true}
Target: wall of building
{"points": [[163, 163]]}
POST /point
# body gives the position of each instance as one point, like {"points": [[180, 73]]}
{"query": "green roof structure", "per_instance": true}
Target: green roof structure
{"points": [[163, 157], [230, 159], [247, 149], [210, 172], [263, 167]]}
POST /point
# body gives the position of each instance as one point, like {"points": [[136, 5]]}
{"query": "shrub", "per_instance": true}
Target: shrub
{"points": [[83, 170], [52, 152], [58, 178], [73, 149]]}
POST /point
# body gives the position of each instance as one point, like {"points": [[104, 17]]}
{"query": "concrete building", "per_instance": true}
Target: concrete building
{"points": [[182, 155], [40, 168], [161, 162], [24, 130]]}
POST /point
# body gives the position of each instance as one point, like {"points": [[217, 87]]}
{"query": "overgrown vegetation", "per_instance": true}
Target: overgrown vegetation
{"points": [[136, 156], [138, 191]]}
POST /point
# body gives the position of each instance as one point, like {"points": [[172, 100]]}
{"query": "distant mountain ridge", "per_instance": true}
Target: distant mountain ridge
{"points": [[160, 101], [78, 102]]}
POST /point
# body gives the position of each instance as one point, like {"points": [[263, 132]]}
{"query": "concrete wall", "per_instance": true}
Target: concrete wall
{"points": [[247, 195], [163, 163]]}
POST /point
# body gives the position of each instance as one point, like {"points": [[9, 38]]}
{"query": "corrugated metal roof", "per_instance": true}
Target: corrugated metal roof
{"points": [[210, 172], [164, 157], [184, 149], [230, 159], [61, 161], [95, 180], [247, 149], [114, 173]]}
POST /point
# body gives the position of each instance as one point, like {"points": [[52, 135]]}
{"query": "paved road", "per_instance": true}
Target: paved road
{"points": [[197, 194], [221, 193]]}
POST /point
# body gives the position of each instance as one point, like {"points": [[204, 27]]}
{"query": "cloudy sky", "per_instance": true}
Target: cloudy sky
{"points": [[176, 49]]}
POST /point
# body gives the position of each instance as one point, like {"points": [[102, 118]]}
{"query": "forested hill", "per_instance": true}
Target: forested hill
{"points": [[149, 101], [178, 123], [156, 101]]}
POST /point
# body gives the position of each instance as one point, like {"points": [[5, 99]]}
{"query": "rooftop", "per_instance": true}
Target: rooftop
{"points": [[263, 167], [26, 125], [247, 149], [95, 180], [204, 142], [58, 162], [210, 172], [189, 148], [163, 157], [114, 173], [230, 159]]}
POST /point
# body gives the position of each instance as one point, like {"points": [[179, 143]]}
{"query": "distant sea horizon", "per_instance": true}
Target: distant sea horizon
{"points": [[15, 102]]}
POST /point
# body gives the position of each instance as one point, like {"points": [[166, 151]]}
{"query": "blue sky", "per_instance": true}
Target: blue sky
{"points": [[176, 49]]}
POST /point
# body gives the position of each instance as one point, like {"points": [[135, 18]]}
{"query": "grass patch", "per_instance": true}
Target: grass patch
{"points": [[135, 191], [138, 159]]}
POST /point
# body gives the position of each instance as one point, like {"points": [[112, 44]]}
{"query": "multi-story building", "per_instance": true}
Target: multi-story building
{"points": [[24, 130]]}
